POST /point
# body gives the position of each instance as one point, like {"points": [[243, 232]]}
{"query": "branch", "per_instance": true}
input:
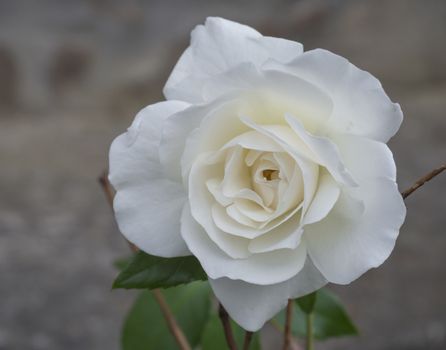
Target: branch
{"points": [[420, 182], [167, 313], [224, 317], [107, 188], [171, 322], [287, 333], [248, 338]]}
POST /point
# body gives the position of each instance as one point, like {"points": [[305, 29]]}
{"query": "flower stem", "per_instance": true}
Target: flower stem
{"points": [[247, 342], [224, 317], [310, 338], [107, 188], [420, 182], [287, 332], [171, 322]]}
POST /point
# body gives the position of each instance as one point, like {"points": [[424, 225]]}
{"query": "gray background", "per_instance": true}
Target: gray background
{"points": [[72, 76]]}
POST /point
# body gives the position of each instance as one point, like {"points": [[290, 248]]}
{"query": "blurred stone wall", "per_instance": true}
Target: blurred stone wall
{"points": [[72, 76]]}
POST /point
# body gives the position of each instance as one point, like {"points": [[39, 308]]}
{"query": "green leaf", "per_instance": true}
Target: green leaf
{"points": [[145, 327], [149, 272], [306, 303], [330, 318], [214, 337]]}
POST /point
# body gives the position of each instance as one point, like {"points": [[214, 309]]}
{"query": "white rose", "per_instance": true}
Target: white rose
{"points": [[267, 163]]}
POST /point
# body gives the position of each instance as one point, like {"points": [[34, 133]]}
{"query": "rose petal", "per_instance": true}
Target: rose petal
{"points": [[286, 236], [252, 210], [235, 214], [217, 123], [326, 196], [344, 247], [220, 45], [178, 127], [248, 195], [214, 187], [260, 269], [324, 151], [232, 227], [360, 104], [236, 174], [216, 129], [365, 158], [147, 205], [287, 168], [282, 50], [254, 140], [270, 94], [252, 305], [200, 201], [294, 146]]}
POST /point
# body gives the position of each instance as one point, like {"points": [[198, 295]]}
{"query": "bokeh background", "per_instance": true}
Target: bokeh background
{"points": [[72, 76]]}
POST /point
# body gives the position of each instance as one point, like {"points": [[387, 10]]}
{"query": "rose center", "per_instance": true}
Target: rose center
{"points": [[270, 174]]}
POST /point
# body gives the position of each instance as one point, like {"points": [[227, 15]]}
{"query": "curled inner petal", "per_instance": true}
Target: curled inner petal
{"points": [[258, 189], [255, 192]]}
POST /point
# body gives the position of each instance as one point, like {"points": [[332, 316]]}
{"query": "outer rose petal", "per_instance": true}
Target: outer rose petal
{"points": [[343, 247], [260, 269], [147, 205], [365, 158], [252, 305], [220, 45], [361, 106], [278, 93]]}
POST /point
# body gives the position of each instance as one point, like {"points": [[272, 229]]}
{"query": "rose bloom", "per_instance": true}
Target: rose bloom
{"points": [[266, 163]]}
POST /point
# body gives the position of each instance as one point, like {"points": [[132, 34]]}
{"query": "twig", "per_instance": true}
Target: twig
{"points": [[224, 317], [247, 341], [167, 313], [287, 333], [420, 182], [107, 188], [171, 322]]}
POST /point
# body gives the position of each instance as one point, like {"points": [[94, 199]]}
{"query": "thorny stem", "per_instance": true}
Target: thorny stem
{"points": [[420, 182], [247, 341], [167, 313], [289, 317], [224, 317]]}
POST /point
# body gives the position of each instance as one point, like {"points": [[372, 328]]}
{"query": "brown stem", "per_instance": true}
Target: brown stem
{"points": [[224, 317], [287, 333], [171, 322], [420, 182], [107, 188], [247, 341], [167, 313]]}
